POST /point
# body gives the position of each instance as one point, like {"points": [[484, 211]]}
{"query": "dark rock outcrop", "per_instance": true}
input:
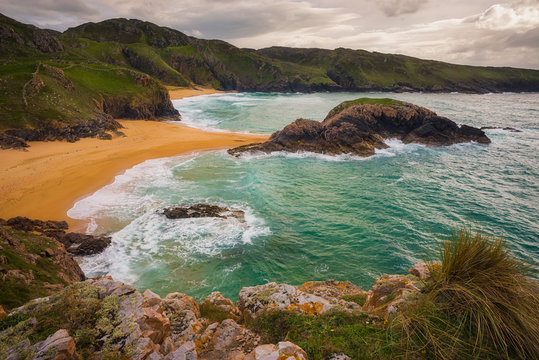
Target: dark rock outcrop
{"points": [[98, 127], [359, 127], [75, 243], [202, 210]]}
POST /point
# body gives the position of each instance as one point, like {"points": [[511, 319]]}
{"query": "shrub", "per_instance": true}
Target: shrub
{"points": [[481, 302]]}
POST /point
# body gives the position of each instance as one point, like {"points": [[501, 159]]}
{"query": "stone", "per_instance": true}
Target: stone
{"points": [[185, 352], [391, 292], [167, 346], [284, 350], [256, 300], [178, 302], [421, 270], [84, 245], [110, 287], [360, 129], [60, 344], [217, 300], [340, 356], [227, 340]]}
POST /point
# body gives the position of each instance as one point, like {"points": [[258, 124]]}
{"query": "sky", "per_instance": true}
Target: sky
{"points": [[475, 32]]}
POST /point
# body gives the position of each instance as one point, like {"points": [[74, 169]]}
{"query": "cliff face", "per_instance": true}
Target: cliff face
{"points": [[359, 127]]}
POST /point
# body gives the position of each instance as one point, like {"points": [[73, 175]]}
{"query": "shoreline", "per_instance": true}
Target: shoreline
{"points": [[177, 93], [45, 181]]}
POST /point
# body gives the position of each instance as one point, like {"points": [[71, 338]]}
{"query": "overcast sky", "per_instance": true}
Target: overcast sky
{"points": [[477, 32]]}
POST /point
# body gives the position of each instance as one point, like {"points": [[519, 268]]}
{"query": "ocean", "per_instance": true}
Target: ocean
{"points": [[311, 216]]}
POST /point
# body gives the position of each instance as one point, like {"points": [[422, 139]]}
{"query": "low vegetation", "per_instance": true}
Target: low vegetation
{"points": [[481, 302]]}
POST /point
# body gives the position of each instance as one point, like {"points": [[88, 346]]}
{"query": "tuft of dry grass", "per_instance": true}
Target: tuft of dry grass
{"points": [[481, 302]]}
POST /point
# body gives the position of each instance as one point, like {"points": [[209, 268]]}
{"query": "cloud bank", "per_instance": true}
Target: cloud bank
{"points": [[479, 32]]}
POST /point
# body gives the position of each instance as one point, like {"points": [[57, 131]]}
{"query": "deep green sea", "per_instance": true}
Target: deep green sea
{"points": [[316, 217]]}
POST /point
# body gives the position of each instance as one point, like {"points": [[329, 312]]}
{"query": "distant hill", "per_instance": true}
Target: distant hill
{"points": [[118, 68]]}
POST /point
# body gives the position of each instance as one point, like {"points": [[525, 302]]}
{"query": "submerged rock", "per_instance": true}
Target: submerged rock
{"points": [[360, 127], [202, 210], [507, 128]]}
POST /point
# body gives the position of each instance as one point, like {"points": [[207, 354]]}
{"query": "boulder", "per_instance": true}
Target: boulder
{"points": [[183, 313], [256, 300], [284, 350], [217, 300], [83, 245], [185, 352], [390, 293], [58, 346], [421, 270], [360, 127], [227, 340]]}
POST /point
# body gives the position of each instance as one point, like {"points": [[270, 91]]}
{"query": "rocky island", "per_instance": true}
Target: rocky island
{"points": [[359, 127]]}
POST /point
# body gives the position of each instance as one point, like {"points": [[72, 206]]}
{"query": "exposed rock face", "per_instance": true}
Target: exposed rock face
{"points": [[360, 128], [58, 346], [256, 300], [202, 210], [75, 243], [97, 127], [283, 350], [227, 340], [33, 37]]}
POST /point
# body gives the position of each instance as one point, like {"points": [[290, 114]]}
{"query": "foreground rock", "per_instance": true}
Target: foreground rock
{"points": [[360, 127], [202, 210], [75, 243], [312, 298]]}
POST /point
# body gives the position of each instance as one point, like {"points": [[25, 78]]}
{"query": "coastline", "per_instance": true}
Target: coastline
{"points": [[45, 181], [177, 93]]}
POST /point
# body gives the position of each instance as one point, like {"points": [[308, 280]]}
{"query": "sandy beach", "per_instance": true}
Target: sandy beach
{"points": [[45, 181], [180, 93]]}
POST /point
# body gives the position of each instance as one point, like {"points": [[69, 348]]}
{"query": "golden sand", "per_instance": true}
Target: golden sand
{"points": [[180, 93], [45, 181]]}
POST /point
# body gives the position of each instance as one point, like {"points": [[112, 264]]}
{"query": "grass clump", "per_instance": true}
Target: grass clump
{"points": [[480, 303], [356, 335], [214, 313]]}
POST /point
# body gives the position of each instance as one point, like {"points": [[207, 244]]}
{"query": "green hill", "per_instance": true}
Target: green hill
{"points": [[69, 85]]}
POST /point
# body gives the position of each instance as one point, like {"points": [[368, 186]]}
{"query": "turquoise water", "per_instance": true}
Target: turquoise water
{"points": [[315, 217]]}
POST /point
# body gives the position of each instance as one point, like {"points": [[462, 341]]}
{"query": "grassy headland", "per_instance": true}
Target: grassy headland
{"points": [[53, 81]]}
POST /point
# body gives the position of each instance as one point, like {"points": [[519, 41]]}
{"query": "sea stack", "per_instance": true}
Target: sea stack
{"points": [[360, 126]]}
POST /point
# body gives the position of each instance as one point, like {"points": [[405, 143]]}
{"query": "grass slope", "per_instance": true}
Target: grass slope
{"points": [[103, 60]]}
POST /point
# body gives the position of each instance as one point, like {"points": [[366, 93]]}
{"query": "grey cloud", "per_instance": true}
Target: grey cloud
{"points": [[399, 7]]}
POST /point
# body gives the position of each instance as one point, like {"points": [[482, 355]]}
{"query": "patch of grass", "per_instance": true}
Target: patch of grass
{"points": [[480, 303], [363, 101], [358, 299], [358, 336], [215, 313], [12, 321]]}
